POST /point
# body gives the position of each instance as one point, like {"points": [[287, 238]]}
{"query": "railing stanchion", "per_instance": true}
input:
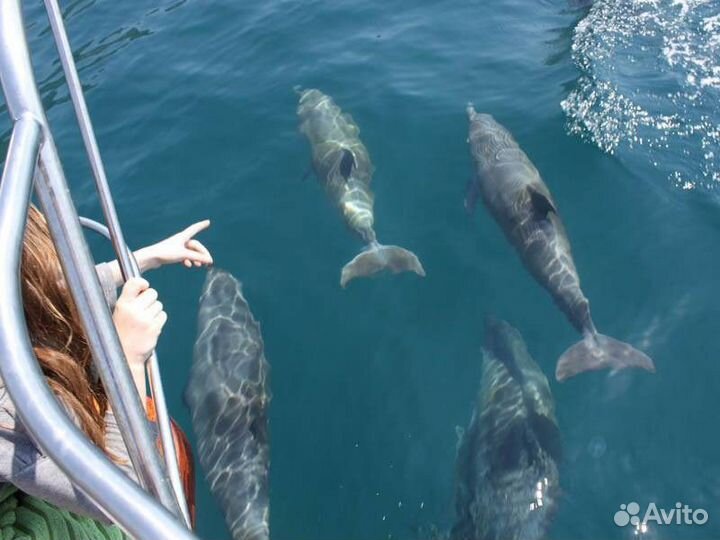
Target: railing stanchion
{"points": [[120, 498], [128, 265], [86, 466]]}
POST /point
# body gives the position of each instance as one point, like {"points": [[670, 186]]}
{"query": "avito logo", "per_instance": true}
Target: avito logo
{"points": [[681, 514]]}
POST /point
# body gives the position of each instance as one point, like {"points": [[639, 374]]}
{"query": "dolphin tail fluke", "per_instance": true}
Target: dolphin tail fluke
{"points": [[377, 258], [600, 352]]}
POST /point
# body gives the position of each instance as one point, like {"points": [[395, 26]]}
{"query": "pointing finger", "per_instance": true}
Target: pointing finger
{"points": [[195, 228]]}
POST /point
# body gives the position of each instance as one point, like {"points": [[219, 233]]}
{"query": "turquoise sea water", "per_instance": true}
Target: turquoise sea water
{"points": [[194, 109]]}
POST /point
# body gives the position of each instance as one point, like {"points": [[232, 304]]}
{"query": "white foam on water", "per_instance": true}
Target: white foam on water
{"points": [[650, 82]]}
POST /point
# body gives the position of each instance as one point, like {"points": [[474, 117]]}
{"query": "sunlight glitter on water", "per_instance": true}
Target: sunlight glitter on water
{"points": [[649, 83]]}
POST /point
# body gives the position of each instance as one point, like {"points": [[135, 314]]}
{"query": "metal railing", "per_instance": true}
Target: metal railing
{"points": [[156, 388], [33, 158], [128, 265]]}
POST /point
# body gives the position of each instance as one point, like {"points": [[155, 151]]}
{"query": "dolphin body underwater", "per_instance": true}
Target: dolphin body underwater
{"points": [[519, 200], [507, 481], [228, 395], [342, 164], [506, 471]]}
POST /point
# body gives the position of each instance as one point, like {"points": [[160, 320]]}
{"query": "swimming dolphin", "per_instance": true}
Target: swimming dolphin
{"points": [[342, 164], [520, 202], [507, 480], [228, 396]]}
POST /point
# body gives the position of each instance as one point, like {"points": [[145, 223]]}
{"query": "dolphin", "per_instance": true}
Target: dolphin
{"points": [[228, 396], [519, 200], [507, 480], [342, 164]]}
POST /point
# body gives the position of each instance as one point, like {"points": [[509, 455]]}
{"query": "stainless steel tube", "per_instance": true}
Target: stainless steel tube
{"points": [[88, 135], [123, 501], [157, 390], [22, 98], [128, 265]]}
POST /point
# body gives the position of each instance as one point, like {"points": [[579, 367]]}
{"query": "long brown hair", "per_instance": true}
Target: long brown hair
{"points": [[57, 336]]}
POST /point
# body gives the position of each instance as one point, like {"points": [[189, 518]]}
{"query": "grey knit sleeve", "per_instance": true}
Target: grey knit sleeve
{"points": [[24, 465], [107, 283]]}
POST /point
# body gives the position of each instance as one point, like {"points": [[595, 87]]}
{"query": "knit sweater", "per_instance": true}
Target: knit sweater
{"points": [[24, 517]]}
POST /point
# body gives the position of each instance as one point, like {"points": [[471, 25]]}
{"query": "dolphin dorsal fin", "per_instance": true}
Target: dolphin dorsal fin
{"points": [[547, 433], [541, 204], [347, 163]]}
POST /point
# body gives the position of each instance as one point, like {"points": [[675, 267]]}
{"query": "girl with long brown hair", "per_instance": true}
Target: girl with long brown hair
{"points": [[62, 350]]}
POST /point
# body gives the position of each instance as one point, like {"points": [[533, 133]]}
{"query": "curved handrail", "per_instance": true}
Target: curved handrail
{"points": [[118, 496], [126, 260], [23, 100]]}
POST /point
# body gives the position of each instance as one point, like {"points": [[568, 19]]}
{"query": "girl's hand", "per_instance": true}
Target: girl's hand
{"points": [[138, 318], [180, 247]]}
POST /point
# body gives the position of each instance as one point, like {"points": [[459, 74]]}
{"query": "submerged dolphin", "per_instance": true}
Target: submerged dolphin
{"points": [[507, 483], [228, 397], [343, 166], [520, 202]]}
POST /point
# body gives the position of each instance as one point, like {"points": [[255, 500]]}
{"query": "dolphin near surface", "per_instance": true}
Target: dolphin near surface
{"points": [[507, 480], [518, 199], [342, 165], [228, 396]]}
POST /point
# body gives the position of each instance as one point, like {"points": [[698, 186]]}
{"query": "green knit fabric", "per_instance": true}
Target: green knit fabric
{"points": [[23, 517]]}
